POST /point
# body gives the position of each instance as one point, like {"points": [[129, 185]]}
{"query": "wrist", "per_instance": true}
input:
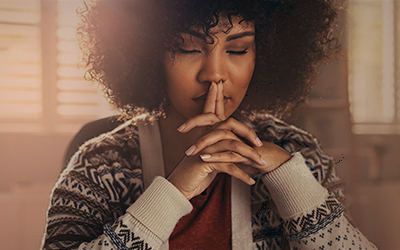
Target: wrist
{"points": [[274, 156], [178, 186]]}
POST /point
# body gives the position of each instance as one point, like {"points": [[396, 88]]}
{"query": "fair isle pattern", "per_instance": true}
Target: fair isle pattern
{"points": [[338, 235], [101, 181], [311, 222], [105, 178], [68, 233], [271, 244], [125, 237], [266, 222]]}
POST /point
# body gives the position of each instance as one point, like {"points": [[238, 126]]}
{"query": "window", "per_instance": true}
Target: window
{"points": [[76, 97], [41, 87], [374, 66], [20, 59]]}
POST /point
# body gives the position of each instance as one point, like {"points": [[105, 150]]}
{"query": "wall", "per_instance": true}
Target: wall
{"points": [[29, 167]]}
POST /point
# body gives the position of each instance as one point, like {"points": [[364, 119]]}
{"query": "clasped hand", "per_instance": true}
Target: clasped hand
{"points": [[220, 149]]}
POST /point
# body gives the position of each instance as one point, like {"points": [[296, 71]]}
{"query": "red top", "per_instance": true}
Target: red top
{"points": [[208, 226]]}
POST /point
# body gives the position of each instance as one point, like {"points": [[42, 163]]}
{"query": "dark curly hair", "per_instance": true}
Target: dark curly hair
{"points": [[124, 40]]}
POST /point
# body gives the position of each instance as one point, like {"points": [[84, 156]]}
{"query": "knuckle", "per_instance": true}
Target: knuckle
{"points": [[222, 133], [231, 155], [230, 168], [230, 120], [191, 122], [251, 131], [201, 141], [234, 144], [210, 123], [226, 132]]}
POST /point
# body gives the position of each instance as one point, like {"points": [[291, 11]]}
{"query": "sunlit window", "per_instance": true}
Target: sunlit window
{"points": [[20, 59], [374, 47], [76, 97], [41, 87]]}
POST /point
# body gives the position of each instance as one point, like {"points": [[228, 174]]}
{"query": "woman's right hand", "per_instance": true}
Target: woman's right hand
{"points": [[221, 139]]}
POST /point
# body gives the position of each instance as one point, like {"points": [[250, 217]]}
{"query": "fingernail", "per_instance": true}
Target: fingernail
{"points": [[259, 142], [252, 181], [190, 150], [264, 161], [205, 156], [182, 127]]}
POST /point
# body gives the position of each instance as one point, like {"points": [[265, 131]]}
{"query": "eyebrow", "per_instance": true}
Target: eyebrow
{"points": [[240, 35], [228, 38]]}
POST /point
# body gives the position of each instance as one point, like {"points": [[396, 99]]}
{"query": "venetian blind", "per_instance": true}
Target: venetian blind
{"points": [[76, 97], [373, 58], [20, 59]]}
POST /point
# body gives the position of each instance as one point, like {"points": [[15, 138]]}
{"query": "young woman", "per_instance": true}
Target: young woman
{"points": [[202, 163]]}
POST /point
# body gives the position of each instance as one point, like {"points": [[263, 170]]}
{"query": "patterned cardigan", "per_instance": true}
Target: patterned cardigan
{"points": [[95, 203]]}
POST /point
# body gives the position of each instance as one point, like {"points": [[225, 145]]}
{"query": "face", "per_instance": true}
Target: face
{"points": [[230, 59]]}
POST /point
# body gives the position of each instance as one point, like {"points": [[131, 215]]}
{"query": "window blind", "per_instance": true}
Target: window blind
{"points": [[20, 59], [76, 97], [372, 46]]}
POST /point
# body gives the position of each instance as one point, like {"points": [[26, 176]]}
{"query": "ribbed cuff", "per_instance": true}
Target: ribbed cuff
{"points": [[293, 188], [160, 207]]}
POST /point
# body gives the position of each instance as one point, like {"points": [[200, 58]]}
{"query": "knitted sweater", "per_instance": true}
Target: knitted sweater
{"points": [[99, 201]]}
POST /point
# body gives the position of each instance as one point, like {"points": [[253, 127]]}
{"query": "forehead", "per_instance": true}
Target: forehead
{"points": [[233, 25], [226, 26]]}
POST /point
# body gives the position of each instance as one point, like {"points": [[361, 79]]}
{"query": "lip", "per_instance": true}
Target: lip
{"points": [[200, 98], [203, 98]]}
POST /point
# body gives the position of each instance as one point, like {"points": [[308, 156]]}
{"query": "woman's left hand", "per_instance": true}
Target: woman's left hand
{"points": [[217, 126]]}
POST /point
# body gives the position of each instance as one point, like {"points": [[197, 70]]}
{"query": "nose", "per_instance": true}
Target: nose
{"points": [[213, 68]]}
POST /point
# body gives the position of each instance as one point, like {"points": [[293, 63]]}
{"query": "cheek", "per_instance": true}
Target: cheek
{"points": [[172, 75], [178, 79], [242, 75], [177, 82]]}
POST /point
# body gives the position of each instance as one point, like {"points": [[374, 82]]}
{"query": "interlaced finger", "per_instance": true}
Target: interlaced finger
{"points": [[240, 129], [232, 150], [227, 156], [233, 170], [210, 139], [202, 120]]}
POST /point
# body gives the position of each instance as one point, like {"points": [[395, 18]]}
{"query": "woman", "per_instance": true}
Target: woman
{"points": [[200, 80]]}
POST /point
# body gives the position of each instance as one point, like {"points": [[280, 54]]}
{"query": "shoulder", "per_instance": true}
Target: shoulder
{"points": [[120, 146], [294, 139], [109, 164]]}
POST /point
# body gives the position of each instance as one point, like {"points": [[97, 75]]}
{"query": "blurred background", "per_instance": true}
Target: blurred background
{"points": [[354, 110]]}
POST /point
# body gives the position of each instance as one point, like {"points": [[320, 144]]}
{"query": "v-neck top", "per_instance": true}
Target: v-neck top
{"points": [[234, 206], [208, 225]]}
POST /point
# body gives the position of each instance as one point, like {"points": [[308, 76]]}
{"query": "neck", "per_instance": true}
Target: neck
{"points": [[174, 143]]}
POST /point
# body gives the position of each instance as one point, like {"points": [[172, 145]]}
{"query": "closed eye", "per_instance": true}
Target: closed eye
{"points": [[237, 52], [184, 51]]}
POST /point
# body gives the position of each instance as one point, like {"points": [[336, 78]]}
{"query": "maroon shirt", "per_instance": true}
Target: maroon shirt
{"points": [[208, 225]]}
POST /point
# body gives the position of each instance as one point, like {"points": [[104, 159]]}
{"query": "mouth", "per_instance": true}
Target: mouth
{"points": [[203, 98]]}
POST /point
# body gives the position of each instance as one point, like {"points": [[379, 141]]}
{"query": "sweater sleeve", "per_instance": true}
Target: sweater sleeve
{"points": [[313, 218], [80, 215]]}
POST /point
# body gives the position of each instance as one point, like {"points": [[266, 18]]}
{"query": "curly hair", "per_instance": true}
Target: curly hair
{"points": [[123, 42]]}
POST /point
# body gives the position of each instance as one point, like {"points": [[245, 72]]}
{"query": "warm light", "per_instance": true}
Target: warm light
{"points": [[19, 17], [18, 109], [371, 61], [74, 85], [76, 97], [19, 82], [20, 96], [20, 59], [66, 97], [80, 110], [65, 71]]}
